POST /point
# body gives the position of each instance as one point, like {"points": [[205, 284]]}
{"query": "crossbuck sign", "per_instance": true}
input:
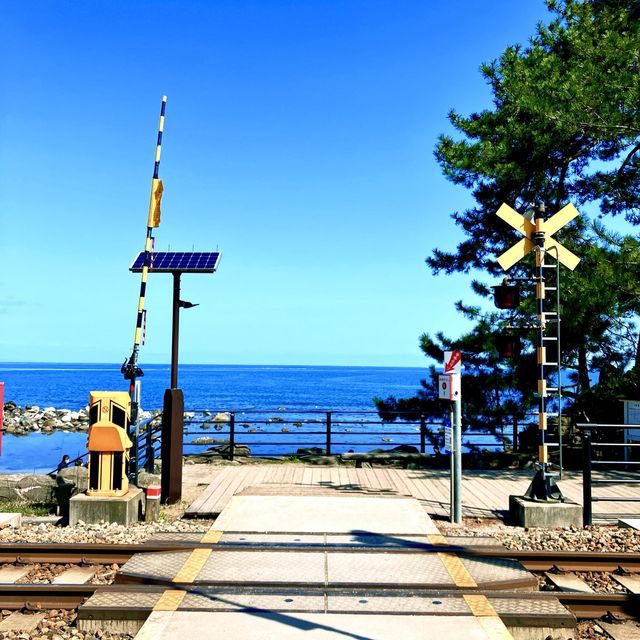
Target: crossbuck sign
{"points": [[528, 229]]}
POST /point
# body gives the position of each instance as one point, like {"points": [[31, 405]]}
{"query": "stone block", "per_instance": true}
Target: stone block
{"points": [[76, 475], [19, 622], [10, 520], [524, 512], [123, 510], [146, 479], [37, 488], [152, 510]]}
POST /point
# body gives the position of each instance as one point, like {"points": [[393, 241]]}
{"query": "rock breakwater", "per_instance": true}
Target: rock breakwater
{"points": [[21, 421]]}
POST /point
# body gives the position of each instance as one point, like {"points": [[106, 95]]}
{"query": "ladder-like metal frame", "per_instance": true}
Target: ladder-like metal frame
{"points": [[555, 319]]}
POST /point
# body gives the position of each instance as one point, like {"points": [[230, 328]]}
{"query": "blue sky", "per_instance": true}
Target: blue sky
{"points": [[299, 142]]}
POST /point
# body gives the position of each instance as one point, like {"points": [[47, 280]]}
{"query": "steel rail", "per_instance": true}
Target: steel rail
{"points": [[34, 597], [98, 553], [77, 553]]}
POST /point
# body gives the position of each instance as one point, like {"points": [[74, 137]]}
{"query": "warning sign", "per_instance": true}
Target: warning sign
{"points": [[452, 361], [448, 387]]}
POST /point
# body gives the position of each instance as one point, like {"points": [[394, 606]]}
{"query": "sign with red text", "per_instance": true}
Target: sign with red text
{"points": [[449, 386], [452, 361]]}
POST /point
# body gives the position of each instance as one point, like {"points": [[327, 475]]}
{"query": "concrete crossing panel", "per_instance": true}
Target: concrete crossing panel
{"points": [[321, 514], [263, 625]]}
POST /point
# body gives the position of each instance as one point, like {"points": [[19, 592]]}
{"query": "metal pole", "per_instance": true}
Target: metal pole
{"points": [[457, 461], [539, 237], [328, 433], [175, 330], [452, 481], [423, 434], [587, 514], [130, 368], [558, 354], [232, 435]]}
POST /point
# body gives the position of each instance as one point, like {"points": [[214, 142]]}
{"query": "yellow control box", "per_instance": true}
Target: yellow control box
{"points": [[109, 443]]}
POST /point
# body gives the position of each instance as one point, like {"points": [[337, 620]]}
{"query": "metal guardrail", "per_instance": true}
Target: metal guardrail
{"points": [[588, 481], [268, 433], [145, 446]]}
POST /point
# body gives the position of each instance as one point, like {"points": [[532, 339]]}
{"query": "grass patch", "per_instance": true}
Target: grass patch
{"points": [[26, 508]]}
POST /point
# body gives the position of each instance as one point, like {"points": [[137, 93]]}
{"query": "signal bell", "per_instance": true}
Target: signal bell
{"points": [[508, 345], [506, 296]]}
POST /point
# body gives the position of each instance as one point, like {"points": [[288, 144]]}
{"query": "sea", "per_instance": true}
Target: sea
{"points": [[245, 389]]}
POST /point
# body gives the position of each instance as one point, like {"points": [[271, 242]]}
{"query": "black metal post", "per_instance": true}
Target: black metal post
{"points": [[171, 446], [423, 434], [587, 513], [150, 462], [515, 434], [328, 433], [175, 330], [134, 460], [232, 435]]}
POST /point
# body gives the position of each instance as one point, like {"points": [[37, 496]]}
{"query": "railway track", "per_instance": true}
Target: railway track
{"points": [[70, 596], [78, 553], [39, 597]]}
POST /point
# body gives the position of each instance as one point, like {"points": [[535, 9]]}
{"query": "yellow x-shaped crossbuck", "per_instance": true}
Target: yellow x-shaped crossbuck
{"points": [[528, 228]]}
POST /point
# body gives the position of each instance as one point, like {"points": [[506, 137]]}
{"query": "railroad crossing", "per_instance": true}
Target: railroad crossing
{"points": [[537, 237]]}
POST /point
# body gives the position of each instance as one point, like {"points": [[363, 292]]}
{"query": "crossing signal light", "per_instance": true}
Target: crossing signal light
{"points": [[508, 345], [506, 296]]}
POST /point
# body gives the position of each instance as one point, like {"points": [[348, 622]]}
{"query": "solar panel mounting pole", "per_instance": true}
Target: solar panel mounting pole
{"points": [[130, 368], [175, 330]]}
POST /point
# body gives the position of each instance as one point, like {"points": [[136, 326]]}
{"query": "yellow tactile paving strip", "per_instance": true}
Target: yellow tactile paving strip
{"points": [[192, 565], [171, 599], [453, 564], [480, 606], [211, 537]]}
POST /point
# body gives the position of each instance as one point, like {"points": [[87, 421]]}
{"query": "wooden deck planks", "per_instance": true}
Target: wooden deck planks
{"points": [[484, 492]]}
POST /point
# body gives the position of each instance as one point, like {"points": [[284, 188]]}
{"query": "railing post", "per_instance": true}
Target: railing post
{"points": [[587, 515], [150, 462], [232, 435], [515, 434], [423, 434], [328, 433], [133, 458]]}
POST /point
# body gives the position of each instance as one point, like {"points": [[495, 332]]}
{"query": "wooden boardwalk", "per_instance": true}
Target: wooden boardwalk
{"points": [[485, 494]]}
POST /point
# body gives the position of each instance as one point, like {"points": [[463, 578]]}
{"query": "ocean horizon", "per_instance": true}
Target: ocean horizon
{"points": [[206, 386], [213, 388]]}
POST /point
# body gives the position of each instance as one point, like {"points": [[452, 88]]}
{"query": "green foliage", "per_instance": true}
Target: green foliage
{"points": [[563, 126], [26, 508], [493, 392]]}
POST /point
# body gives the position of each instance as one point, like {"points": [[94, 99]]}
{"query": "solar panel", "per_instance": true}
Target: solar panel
{"points": [[182, 261]]}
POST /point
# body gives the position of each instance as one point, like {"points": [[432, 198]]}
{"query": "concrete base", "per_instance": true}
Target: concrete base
{"points": [[124, 510], [524, 512]]}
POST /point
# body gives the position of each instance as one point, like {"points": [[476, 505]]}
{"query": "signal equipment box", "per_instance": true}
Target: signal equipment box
{"points": [[109, 443]]}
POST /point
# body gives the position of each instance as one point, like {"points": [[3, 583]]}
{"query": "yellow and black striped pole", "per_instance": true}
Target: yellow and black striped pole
{"points": [[540, 348], [130, 368]]}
